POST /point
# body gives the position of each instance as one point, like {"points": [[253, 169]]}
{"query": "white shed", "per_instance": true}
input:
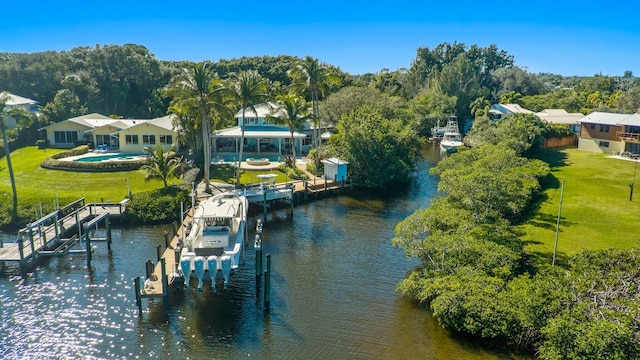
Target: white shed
{"points": [[335, 169]]}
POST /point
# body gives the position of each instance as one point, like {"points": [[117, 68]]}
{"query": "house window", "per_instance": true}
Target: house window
{"points": [[604, 144], [102, 140], [131, 139], [593, 126], [148, 139], [166, 139], [604, 128], [308, 140], [65, 137]]}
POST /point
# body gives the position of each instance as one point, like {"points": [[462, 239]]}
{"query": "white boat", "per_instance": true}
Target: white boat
{"points": [[267, 190], [451, 139], [213, 246]]}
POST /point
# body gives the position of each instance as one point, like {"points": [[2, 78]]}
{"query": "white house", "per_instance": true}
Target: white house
{"points": [[28, 105], [123, 135], [501, 111]]}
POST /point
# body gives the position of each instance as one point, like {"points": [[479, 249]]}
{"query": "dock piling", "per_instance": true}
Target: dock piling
{"points": [[267, 285], [148, 268], [88, 243], [158, 252], [136, 285], [165, 286]]}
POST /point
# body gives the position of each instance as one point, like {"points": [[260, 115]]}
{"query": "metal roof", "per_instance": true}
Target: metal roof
{"points": [[631, 120], [559, 116], [258, 131], [604, 118]]}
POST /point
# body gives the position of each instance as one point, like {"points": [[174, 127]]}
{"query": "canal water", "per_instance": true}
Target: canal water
{"points": [[334, 276]]}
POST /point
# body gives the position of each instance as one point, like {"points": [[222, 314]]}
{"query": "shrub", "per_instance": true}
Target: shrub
{"points": [[53, 163], [293, 173], [157, 207]]}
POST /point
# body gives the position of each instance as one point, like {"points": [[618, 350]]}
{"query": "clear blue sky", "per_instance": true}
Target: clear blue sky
{"points": [[561, 37]]}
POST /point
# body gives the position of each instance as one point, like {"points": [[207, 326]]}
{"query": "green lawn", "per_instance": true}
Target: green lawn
{"points": [[596, 211], [35, 184]]}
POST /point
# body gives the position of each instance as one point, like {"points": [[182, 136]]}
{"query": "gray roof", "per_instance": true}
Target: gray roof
{"points": [[509, 109], [18, 100], [631, 120], [603, 118], [559, 116]]}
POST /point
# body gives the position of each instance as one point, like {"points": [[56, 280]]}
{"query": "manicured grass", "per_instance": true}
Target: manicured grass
{"points": [[35, 184], [596, 211], [226, 174]]}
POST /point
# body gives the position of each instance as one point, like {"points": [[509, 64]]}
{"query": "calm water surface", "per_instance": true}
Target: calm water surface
{"points": [[334, 273]]}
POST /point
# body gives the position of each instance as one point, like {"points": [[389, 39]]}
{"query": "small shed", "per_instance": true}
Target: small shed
{"points": [[335, 169]]}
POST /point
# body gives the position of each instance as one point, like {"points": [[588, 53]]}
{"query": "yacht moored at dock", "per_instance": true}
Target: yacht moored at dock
{"points": [[214, 244], [451, 139]]}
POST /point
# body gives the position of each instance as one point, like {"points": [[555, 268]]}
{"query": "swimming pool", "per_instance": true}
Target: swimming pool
{"points": [[110, 157]]}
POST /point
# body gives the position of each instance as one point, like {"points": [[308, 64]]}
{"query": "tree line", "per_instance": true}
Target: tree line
{"points": [[476, 276]]}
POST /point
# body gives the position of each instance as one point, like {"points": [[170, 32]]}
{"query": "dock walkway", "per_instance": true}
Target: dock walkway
{"points": [[40, 235]]}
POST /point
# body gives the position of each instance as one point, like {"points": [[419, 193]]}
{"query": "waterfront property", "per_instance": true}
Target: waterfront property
{"points": [[610, 133], [123, 135], [261, 134]]}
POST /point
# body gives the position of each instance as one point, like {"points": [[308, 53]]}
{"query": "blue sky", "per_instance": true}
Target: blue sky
{"points": [[561, 37]]}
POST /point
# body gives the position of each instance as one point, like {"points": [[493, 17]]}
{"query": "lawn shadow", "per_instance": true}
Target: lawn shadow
{"points": [[555, 157], [538, 260], [224, 173]]}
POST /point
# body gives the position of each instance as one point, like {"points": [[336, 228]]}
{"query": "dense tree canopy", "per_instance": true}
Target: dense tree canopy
{"points": [[379, 150]]}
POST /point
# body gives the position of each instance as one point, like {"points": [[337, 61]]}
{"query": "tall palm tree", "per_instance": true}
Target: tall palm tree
{"points": [[197, 87], [7, 152], [315, 79], [248, 88], [294, 113], [161, 165]]}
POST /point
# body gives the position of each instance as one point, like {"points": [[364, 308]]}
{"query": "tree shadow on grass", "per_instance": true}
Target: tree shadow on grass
{"points": [[555, 157], [538, 260], [225, 173]]}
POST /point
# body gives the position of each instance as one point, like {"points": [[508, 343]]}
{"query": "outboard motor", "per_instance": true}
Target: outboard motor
{"points": [[185, 266], [226, 268], [198, 264], [212, 265]]}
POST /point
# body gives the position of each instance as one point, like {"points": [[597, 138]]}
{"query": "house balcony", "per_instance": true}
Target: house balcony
{"points": [[628, 137]]}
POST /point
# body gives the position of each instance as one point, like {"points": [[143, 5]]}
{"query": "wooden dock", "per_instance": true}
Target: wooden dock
{"points": [[46, 236], [160, 276]]}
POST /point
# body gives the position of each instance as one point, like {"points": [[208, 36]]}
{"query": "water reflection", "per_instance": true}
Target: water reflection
{"points": [[334, 278]]}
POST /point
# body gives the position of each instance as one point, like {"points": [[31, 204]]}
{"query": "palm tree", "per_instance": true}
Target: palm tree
{"points": [[294, 113], [161, 165], [314, 78], [248, 88], [198, 88], [7, 151]]}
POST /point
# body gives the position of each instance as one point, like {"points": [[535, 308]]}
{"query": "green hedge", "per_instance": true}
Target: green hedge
{"points": [[160, 206], [53, 162]]}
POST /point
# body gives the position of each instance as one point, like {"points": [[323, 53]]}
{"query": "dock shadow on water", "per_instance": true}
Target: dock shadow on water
{"points": [[334, 277]]}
